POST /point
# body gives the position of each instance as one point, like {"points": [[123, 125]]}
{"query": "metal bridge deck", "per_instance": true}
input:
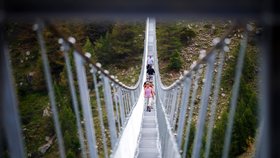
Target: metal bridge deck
{"points": [[148, 146]]}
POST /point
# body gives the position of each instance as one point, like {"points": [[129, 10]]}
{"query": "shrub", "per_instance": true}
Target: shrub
{"points": [[88, 47], [218, 136], [168, 40], [175, 61], [124, 44], [186, 35], [70, 154]]}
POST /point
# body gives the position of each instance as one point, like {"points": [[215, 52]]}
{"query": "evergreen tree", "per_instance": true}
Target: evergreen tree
{"points": [[88, 47], [175, 61], [97, 30], [121, 46], [103, 50]]}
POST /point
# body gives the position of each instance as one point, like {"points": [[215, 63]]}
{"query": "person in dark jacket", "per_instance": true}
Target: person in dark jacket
{"points": [[150, 72]]}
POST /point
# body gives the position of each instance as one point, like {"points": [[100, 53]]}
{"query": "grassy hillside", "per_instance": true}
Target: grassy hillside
{"points": [[181, 41]]}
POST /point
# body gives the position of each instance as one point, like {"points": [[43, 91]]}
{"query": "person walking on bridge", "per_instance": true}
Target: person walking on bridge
{"points": [[148, 94], [150, 72], [152, 100], [150, 61]]}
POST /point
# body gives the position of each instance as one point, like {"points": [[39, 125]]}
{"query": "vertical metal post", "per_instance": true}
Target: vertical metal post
{"points": [[47, 73], [262, 141], [172, 110], [165, 99], [132, 98], [121, 106], [129, 101], [124, 102], [9, 119], [214, 104], [189, 121], [203, 108], [1, 126], [138, 91], [184, 106], [110, 110], [74, 97], [235, 90], [100, 113], [179, 98], [168, 104], [85, 100], [117, 108]]}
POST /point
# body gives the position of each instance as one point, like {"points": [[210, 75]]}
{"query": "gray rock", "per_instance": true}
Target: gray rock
{"points": [[47, 112], [44, 148]]}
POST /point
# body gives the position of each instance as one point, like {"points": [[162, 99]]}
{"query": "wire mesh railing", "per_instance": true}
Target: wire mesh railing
{"points": [[189, 105], [101, 105]]}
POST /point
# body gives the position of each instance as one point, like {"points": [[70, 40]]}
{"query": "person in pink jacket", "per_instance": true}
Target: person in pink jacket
{"points": [[148, 94]]}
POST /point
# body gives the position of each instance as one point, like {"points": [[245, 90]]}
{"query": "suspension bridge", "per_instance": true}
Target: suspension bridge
{"points": [[129, 130]]}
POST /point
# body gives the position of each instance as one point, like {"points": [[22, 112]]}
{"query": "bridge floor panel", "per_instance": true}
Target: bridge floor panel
{"points": [[148, 146]]}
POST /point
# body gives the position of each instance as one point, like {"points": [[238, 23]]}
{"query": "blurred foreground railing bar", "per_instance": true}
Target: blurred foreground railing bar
{"points": [[203, 106], [86, 107], [39, 28], [10, 132], [185, 100], [233, 103], [263, 144], [214, 103], [191, 107]]}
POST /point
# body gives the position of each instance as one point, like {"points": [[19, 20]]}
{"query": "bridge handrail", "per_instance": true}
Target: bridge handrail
{"points": [[177, 105], [119, 99]]}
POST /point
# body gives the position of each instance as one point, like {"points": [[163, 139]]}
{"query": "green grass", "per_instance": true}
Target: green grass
{"points": [[35, 127]]}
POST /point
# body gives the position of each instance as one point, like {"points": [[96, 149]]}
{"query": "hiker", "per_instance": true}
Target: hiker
{"points": [[153, 89], [148, 67], [148, 93], [150, 73], [150, 61], [152, 100]]}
